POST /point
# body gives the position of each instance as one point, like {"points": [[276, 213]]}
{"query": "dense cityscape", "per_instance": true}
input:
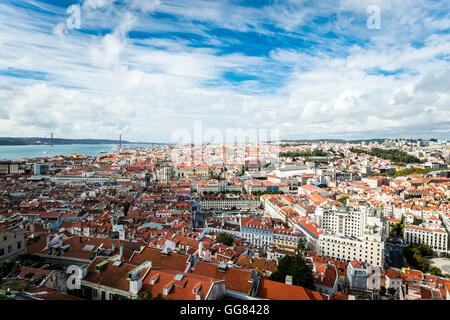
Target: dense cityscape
{"points": [[231, 221], [224, 159]]}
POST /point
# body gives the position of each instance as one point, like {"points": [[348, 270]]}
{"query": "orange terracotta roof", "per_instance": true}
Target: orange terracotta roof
{"points": [[235, 279], [273, 290]]}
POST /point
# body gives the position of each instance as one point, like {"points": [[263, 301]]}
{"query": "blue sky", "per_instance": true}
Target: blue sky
{"points": [[147, 68]]}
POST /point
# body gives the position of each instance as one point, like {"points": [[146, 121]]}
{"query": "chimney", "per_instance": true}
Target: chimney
{"points": [[121, 251], [48, 239], [288, 280], [113, 246], [200, 249]]}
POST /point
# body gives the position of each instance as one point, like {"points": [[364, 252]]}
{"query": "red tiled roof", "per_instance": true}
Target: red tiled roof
{"points": [[273, 290], [180, 290], [172, 260], [235, 279], [111, 276]]}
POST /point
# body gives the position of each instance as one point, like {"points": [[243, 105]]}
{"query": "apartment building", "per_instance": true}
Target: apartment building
{"points": [[165, 173], [184, 171], [229, 202], [363, 276], [80, 179], [8, 167], [287, 237], [12, 243], [437, 238], [375, 182], [352, 233], [258, 232], [341, 220]]}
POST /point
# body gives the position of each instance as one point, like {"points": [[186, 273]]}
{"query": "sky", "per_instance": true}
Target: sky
{"points": [[146, 69]]}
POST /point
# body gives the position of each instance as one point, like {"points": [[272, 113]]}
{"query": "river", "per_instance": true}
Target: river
{"points": [[16, 153]]}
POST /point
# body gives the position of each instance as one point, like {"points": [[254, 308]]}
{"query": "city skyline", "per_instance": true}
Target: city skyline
{"points": [[143, 69], [64, 140]]}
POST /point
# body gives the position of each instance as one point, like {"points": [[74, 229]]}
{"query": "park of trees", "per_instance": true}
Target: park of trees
{"points": [[315, 153], [395, 155], [415, 253]]}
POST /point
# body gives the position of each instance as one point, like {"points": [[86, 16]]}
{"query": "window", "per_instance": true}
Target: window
{"points": [[2, 252], [19, 245], [9, 249]]}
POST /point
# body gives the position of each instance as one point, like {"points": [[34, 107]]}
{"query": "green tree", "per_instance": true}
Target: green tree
{"points": [[395, 155], [225, 238], [149, 296], [301, 249], [315, 153], [414, 254], [435, 271], [398, 228], [297, 267], [417, 221], [343, 199]]}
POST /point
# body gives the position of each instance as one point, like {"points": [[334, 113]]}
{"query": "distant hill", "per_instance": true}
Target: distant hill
{"points": [[10, 141], [335, 140]]}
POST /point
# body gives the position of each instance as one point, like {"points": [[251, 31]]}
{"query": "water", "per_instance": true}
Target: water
{"points": [[16, 153]]}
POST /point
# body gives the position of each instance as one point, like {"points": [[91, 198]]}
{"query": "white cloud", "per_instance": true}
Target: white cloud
{"points": [[99, 85], [144, 5], [97, 4]]}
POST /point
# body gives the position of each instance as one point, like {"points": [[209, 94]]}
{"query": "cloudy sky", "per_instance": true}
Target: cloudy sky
{"points": [[145, 68]]}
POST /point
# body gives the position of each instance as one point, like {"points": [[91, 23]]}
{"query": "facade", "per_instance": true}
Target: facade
{"points": [[12, 168], [287, 237], [12, 243], [230, 227], [229, 202], [165, 173], [184, 171], [357, 275], [39, 168], [437, 239], [352, 233], [350, 248], [375, 182], [393, 278], [310, 229], [257, 232], [79, 179]]}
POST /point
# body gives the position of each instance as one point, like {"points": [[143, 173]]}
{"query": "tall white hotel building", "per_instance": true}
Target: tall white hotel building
{"points": [[351, 233]]}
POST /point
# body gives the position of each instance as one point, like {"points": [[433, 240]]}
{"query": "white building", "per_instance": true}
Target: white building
{"points": [[79, 179], [364, 276], [229, 202], [352, 233], [437, 239]]}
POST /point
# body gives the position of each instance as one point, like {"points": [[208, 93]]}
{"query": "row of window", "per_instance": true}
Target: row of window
{"points": [[9, 249]]}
